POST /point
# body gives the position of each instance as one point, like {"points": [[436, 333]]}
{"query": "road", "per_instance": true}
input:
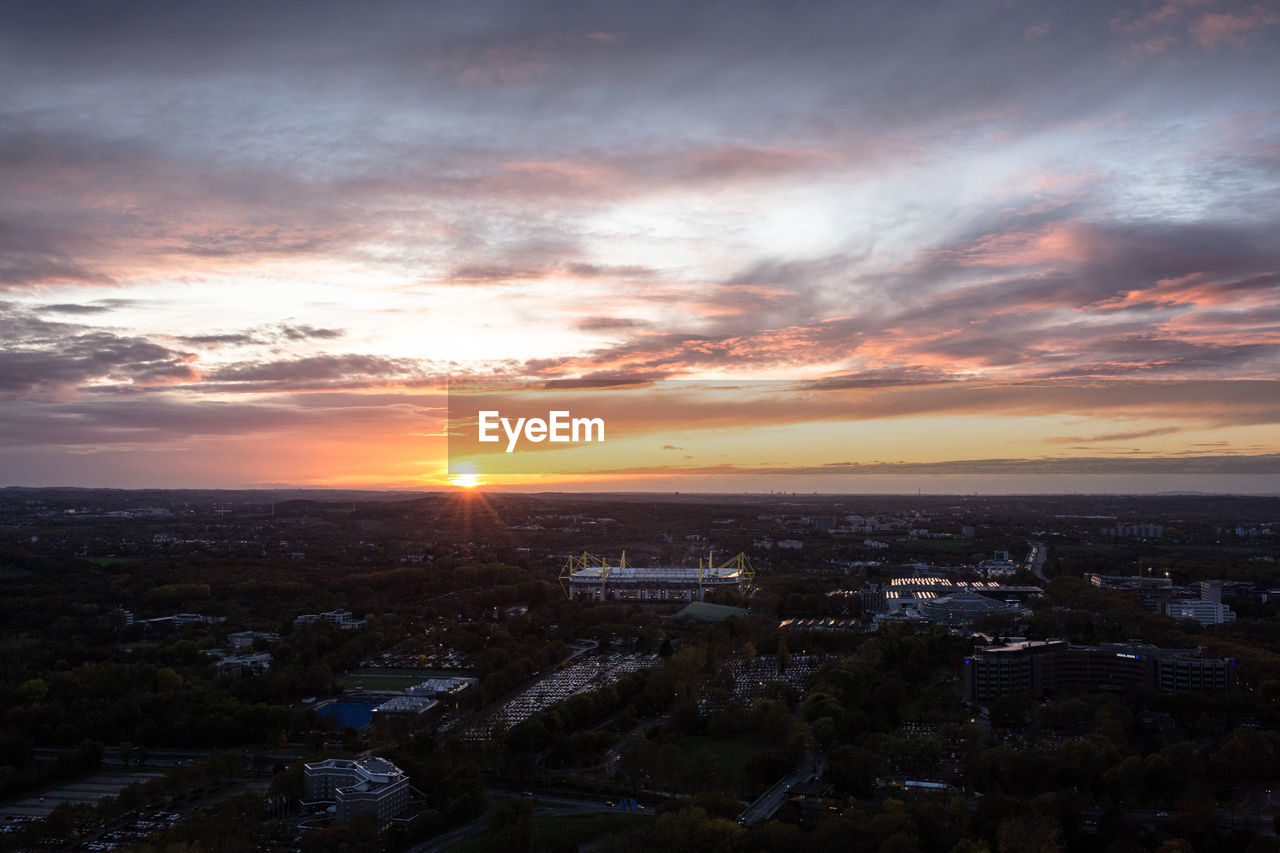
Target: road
{"points": [[546, 804], [450, 838], [1035, 560], [768, 803]]}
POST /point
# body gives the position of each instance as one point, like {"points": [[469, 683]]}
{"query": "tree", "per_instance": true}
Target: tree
{"points": [[511, 823], [1030, 833]]}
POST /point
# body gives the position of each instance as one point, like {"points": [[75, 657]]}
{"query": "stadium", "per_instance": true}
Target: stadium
{"points": [[593, 578]]}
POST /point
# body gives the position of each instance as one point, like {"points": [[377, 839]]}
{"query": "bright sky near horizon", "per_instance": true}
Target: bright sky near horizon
{"points": [[247, 243]]}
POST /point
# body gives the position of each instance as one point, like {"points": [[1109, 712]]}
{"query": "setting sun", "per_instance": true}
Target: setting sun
{"points": [[466, 481]]}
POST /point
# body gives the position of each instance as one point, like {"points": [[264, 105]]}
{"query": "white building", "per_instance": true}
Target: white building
{"points": [[399, 710], [244, 639], [245, 664], [1204, 612], [591, 578], [342, 618], [367, 786]]}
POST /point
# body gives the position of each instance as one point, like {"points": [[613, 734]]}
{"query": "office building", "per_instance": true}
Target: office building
{"points": [[1055, 667], [366, 786]]}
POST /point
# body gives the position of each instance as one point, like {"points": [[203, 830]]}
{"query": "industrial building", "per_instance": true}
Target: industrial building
{"points": [[399, 711], [1046, 667], [450, 692], [594, 579], [961, 608], [944, 601], [366, 786]]}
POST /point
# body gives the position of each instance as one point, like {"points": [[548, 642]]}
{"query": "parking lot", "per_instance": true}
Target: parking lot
{"points": [[88, 789], [579, 677]]}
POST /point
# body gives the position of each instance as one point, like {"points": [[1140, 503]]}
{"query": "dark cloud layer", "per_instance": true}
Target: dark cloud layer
{"points": [[45, 358], [270, 334]]}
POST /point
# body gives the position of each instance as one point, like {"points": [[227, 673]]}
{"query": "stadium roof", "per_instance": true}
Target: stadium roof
{"points": [[675, 574]]}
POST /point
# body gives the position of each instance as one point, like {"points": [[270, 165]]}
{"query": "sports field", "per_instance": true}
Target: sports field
{"points": [[367, 678]]}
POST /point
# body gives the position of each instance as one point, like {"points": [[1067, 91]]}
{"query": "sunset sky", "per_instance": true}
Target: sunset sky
{"points": [[987, 245]]}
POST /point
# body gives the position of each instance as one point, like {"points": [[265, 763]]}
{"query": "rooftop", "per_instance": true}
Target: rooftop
{"points": [[704, 612], [592, 574]]}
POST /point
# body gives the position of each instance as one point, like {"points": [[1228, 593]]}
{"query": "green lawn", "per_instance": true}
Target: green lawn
{"points": [[557, 832], [390, 678], [731, 755], [11, 574]]}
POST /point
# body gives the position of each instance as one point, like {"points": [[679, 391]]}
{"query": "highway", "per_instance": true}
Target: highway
{"points": [[1035, 560]]}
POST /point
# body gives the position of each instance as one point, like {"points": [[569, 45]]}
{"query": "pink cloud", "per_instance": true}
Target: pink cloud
{"points": [[1161, 15], [1196, 290], [1217, 27], [1150, 46], [1037, 32], [1057, 242]]}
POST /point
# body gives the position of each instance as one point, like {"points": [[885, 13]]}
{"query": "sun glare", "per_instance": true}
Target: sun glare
{"points": [[466, 481]]}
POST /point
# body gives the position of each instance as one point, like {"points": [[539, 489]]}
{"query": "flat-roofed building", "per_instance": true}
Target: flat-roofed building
{"points": [[961, 608], [342, 618], [402, 710], [245, 639], [1205, 612], [449, 691], [1042, 667], [253, 664], [356, 787]]}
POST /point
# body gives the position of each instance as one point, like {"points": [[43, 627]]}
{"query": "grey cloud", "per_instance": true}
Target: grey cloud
{"points": [[1111, 466], [42, 358], [1115, 436], [128, 419], [99, 306], [514, 272], [606, 324], [305, 332], [585, 270], [74, 308], [225, 339], [349, 370], [262, 335]]}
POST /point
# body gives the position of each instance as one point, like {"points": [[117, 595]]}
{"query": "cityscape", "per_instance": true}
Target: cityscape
{"points": [[293, 671]]}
